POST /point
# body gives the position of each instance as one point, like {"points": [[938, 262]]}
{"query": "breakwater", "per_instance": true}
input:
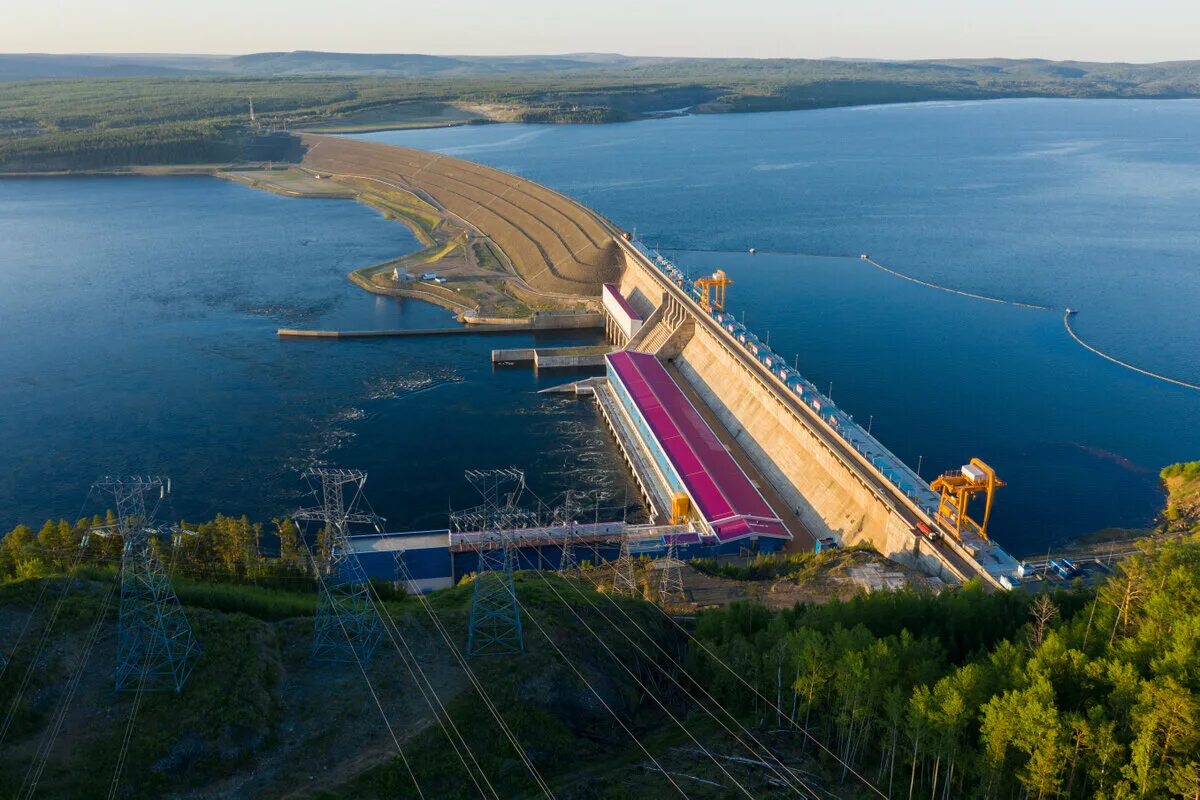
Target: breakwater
{"points": [[1071, 332], [1067, 314]]}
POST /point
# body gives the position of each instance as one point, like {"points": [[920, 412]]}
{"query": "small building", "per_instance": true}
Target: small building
{"points": [[619, 313], [429, 276], [400, 275], [824, 544]]}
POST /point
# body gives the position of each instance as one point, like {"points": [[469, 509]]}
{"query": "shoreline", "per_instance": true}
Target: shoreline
{"points": [[155, 170]]}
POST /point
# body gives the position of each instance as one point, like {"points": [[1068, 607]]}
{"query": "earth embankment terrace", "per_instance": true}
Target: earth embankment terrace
{"points": [[555, 245]]}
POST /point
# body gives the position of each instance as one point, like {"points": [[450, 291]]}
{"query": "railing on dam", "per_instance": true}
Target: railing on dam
{"points": [[888, 464]]}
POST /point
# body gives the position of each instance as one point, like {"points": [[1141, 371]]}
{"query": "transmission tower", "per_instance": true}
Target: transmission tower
{"points": [[347, 626], [156, 649], [623, 578], [670, 582], [495, 626], [564, 517]]}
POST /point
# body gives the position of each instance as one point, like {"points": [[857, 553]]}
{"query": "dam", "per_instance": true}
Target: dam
{"points": [[727, 442]]}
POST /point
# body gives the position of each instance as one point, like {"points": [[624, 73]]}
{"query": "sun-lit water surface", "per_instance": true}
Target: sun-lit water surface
{"points": [[139, 314], [1088, 204]]}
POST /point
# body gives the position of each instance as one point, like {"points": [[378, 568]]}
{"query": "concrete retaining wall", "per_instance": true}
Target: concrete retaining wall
{"points": [[826, 495], [641, 290]]}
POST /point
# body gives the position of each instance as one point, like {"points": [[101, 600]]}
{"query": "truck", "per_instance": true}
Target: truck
{"points": [[924, 531]]}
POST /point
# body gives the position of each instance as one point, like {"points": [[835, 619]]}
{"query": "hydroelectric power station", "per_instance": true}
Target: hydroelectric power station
{"points": [[734, 450]]}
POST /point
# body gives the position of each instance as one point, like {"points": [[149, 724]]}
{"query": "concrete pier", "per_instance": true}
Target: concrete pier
{"points": [[553, 357]]}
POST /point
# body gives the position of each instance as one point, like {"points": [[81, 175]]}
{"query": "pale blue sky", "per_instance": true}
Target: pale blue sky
{"points": [[1101, 30]]}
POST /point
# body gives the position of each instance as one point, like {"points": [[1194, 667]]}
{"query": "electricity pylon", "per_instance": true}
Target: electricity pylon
{"points": [[347, 626], [564, 517], [495, 626], [670, 582], [156, 649], [623, 578]]}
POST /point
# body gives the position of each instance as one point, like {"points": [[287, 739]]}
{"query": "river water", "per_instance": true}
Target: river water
{"points": [[139, 313], [139, 319]]}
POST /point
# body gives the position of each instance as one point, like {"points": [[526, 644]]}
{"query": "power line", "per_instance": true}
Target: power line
{"points": [[769, 702], [570, 664], [37, 655], [626, 554], [4, 662], [773, 758], [641, 684], [371, 687], [423, 683], [115, 785], [475, 682], [425, 686], [38, 765]]}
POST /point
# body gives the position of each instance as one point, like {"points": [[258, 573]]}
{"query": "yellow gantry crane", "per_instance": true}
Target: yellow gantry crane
{"points": [[717, 283], [957, 488]]}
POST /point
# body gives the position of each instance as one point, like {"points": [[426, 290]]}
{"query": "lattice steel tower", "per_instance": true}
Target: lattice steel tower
{"points": [[564, 517], [495, 627], [623, 577], [670, 582], [156, 649], [347, 626]]}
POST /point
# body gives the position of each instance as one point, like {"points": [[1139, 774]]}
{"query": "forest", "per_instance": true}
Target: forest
{"points": [[1086, 692], [86, 119]]}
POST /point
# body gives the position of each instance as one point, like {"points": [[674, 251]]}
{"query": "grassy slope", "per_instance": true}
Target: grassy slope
{"points": [[1182, 482], [257, 718]]}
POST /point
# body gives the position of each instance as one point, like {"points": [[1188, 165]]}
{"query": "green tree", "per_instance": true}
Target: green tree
{"points": [[1165, 721]]}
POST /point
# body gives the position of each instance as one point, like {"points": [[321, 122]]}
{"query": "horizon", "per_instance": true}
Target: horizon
{"points": [[568, 54], [1072, 30]]}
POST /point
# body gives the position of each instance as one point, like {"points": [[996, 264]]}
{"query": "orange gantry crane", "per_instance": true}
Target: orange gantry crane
{"points": [[957, 487], [717, 282]]}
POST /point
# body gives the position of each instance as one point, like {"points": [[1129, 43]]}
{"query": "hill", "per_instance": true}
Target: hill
{"points": [[104, 111], [1089, 693]]}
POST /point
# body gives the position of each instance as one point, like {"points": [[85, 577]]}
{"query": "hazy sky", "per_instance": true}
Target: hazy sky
{"points": [[1101, 30]]}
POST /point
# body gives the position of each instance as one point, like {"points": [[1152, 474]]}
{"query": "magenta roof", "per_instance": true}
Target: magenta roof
{"points": [[612, 289], [723, 494]]}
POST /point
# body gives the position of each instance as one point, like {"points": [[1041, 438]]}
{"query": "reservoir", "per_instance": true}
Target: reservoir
{"points": [[139, 314], [1091, 205], [139, 319]]}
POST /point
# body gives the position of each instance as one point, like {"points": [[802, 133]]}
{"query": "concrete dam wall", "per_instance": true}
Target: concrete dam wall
{"points": [[828, 495]]}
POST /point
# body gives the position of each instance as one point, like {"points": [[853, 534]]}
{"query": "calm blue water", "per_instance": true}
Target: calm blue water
{"points": [[139, 314], [138, 319], [1087, 204]]}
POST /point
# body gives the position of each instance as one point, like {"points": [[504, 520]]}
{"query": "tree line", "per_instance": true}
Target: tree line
{"points": [[225, 549], [1080, 694]]}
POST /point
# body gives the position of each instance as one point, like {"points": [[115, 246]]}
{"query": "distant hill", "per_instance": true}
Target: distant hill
{"points": [[304, 62], [103, 111], [1113, 77], [33, 66]]}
